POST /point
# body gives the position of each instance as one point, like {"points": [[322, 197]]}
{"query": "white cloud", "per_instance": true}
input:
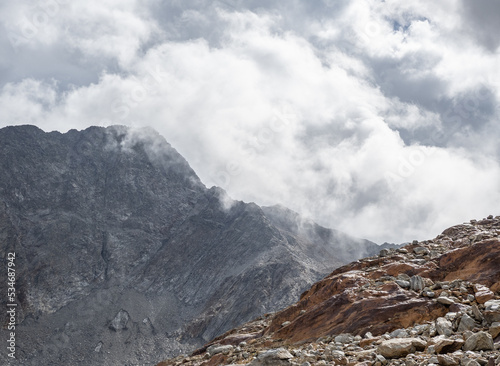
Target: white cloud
{"points": [[343, 112]]}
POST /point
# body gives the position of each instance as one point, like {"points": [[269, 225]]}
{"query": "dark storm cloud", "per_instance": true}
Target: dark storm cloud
{"points": [[482, 18]]}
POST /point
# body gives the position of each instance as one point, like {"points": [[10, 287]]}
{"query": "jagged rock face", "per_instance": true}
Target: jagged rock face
{"points": [[430, 302], [124, 257]]}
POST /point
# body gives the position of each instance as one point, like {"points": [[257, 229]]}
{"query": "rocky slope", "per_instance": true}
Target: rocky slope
{"points": [[428, 303], [123, 256]]}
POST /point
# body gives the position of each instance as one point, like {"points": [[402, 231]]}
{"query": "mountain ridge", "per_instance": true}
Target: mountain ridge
{"points": [[125, 257]]}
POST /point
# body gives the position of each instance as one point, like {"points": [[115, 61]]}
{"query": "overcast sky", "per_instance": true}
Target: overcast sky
{"points": [[379, 118]]}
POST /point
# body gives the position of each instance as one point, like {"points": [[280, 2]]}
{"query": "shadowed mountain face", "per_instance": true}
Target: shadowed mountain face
{"points": [[123, 256]]}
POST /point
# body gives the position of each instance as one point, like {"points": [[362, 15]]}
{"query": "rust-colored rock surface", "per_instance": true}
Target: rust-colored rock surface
{"points": [[393, 298], [364, 296]]}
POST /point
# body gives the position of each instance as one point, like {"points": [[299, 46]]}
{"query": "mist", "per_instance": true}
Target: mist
{"points": [[380, 119]]}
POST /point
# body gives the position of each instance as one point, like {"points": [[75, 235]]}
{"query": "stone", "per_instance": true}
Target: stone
{"points": [[468, 362], [417, 283], [444, 326], [433, 360], [477, 313], [344, 338], [120, 321], [444, 345], [495, 329], [466, 323], [381, 359], [483, 294], [403, 284], [421, 251], [492, 305], [481, 341], [384, 253], [446, 360], [445, 300], [491, 316], [400, 347], [399, 333], [216, 349], [272, 357]]}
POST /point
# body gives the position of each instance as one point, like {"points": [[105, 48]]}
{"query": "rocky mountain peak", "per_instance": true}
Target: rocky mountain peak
{"points": [[123, 256]]}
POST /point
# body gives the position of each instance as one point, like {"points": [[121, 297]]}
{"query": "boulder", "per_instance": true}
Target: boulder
{"points": [[216, 349], [495, 329], [466, 323], [481, 341], [273, 357], [444, 345], [400, 347], [483, 294], [445, 300], [120, 321], [444, 327], [417, 283], [446, 360]]}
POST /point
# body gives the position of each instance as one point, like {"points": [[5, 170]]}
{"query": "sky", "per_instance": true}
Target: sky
{"points": [[378, 118]]}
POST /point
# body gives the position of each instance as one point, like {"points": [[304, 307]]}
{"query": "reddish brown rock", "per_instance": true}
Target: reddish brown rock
{"points": [[356, 311], [443, 344], [216, 360], [478, 263], [483, 294], [368, 341], [363, 297]]}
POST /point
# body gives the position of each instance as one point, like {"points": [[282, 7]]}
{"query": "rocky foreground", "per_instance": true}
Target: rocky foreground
{"points": [[430, 302]]}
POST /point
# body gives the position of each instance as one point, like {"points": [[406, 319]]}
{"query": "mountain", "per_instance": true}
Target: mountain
{"points": [[124, 257], [431, 302]]}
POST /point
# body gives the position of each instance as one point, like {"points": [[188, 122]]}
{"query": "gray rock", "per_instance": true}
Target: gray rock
{"points": [[481, 341], [384, 253], [467, 362], [216, 349], [421, 251], [278, 356], [445, 300], [477, 313], [466, 323], [400, 347], [120, 321], [399, 333], [344, 338], [492, 305], [111, 218], [403, 284], [444, 327], [381, 359], [417, 283], [446, 360]]}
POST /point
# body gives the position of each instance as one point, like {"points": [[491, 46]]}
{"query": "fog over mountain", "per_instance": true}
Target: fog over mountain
{"points": [[124, 256], [373, 115]]}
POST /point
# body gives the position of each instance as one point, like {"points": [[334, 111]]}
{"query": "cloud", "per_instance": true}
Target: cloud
{"points": [[377, 118], [483, 20]]}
